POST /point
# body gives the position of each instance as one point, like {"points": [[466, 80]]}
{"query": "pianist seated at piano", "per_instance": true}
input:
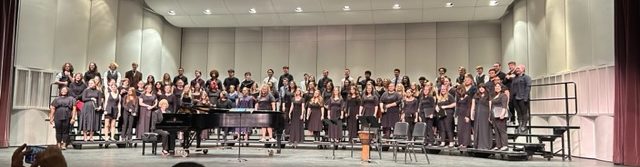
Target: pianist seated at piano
{"points": [[156, 117]]}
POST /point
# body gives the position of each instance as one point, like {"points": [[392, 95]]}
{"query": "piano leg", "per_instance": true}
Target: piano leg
{"points": [[198, 138], [279, 141]]}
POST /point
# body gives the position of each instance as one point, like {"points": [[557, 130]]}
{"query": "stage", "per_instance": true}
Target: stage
{"points": [[302, 156]]}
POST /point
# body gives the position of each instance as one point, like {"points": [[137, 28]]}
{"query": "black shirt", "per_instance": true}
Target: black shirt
{"points": [[282, 77], [231, 81], [180, 77]]}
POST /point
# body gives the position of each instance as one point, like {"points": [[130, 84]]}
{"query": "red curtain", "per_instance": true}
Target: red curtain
{"points": [[626, 144], [9, 14]]}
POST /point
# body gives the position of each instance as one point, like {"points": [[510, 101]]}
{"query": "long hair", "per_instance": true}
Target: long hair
{"points": [[442, 97], [131, 97], [70, 67], [479, 95]]}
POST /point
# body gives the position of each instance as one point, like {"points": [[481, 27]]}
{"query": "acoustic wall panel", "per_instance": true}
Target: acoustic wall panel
{"points": [[36, 34], [172, 45], [248, 51], [129, 34], [194, 52], [72, 33], [332, 52], [152, 45], [221, 51]]}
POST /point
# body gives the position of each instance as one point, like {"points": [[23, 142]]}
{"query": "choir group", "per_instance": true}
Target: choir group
{"points": [[470, 112]]}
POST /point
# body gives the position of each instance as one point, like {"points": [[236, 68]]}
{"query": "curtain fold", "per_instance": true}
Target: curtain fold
{"points": [[626, 143], [9, 15]]}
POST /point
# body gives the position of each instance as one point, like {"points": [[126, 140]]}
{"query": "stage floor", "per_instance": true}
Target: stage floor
{"points": [[308, 156]]}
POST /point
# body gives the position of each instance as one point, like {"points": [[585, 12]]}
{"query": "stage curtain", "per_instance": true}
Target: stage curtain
{"points": [[626, 145], [9, 14]]}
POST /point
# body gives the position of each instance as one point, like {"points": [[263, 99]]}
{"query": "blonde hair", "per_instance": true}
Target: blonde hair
{"points": [[113, 64], [163, 102], [444, 97]]}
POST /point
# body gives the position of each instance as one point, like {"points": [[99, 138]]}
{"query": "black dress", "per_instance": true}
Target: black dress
{"points": [[463, 105], [89, 118], [296, 127], [369, 104], [410, 108], [144, 119], [111, 110], [315, 115], [76, 89], [482, 129], [392, 114], [335, 109], [352, 111], [173, 101], [427, 108], [63, 112], [445, 123], [501, 101]]}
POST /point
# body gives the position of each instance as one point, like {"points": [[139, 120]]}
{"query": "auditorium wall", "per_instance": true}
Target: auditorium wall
{"points": [[53, 32], [567, 41], [417, 49]]}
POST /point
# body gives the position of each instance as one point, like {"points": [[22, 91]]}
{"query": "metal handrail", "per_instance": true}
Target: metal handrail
{"points": [[566, 113]]}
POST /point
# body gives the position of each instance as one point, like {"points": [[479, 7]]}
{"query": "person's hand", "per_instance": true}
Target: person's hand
{"points": [[466, 119], [51, 122], [341, 116], [430, 116], [438, 109], [416, 120], [94, 99], [51, 157], [18, 155], [72, 121], [149, 107], [301, 118], [472, 118], [502, 116]]}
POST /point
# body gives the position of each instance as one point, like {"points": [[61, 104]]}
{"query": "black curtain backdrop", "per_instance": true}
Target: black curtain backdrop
{"points": [[9, 14], [626, 140]]}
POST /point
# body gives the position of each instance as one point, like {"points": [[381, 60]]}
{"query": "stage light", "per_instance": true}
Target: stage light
{"points": [[252, 10], [449, 4], [346, 8], [396, 6], [298, 9], [493, 3], [171, 12], [206, 11]]}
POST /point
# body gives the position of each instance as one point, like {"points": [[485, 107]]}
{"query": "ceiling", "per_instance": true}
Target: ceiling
{"points": [[235, 13]]}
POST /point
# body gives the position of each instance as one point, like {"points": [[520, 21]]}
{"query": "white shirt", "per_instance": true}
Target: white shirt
{"points": [[106, 81], [273, 80]]}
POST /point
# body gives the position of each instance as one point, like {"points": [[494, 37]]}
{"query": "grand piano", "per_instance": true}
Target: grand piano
{"points": [[219, 118]]}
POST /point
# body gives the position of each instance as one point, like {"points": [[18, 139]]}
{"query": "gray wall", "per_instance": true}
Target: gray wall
{"points": [[567, 41], [53, 32], [416, 49]]}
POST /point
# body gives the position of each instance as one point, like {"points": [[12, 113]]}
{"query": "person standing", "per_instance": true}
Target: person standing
{"points": [[463, 107], [129, 112], [89, 123], [270, 79], [133, 75], [198, 79], [352, 110], [521, 91], [390, 105], [335, 104], [92, 72], [180, 76], [367, 78], [445, 106], [296, 134], [410, 111], [214, 75], [112, 74], [245, 100], [147, 102], [498, 106], [64, 78], [481, 116], [396, 77], [347, 76], [304, 83], [285, 75], [427, 112], [315, 115], [266, 101], [231, 80], [324, 80], [370, 102], [111, 111], [480, 77], [62, 115]]}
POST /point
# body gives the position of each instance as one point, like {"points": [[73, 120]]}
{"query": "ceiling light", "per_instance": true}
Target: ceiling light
{"points": [[252, 10], [206, 11], [298, 9], [396, 6], [346, 8], [171, 12], [493, 3], [449, 4]]}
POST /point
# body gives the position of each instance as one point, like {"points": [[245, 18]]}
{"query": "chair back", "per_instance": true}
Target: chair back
{"points": [[419, 130], [401, 129]]}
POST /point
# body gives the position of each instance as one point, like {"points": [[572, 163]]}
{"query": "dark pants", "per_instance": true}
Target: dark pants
{"points": [[428, 133], [445, 127], [411, 121], [500, 128], [62, 130], [127, 125], [164, 136], [522, 107], [512, 109]]}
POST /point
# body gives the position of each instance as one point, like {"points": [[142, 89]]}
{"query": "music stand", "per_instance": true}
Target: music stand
{"points": [[330, 122], [241, 112], [371, 122]]}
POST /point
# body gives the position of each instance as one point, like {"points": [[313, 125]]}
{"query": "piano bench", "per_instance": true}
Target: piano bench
{"points": [[150, 138]]}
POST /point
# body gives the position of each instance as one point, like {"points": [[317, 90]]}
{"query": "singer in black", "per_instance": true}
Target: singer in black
{"points": [[427, 112], [445, 107], [62, 114], [390, 105]]}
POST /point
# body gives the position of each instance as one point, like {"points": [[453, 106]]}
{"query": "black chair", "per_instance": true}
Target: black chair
{"points": [[150, 138], [417, 137], [400, 131]]}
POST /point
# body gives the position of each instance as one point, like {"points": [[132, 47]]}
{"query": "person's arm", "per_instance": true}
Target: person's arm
{"points": [[322, 113], [505, 101], [51, 113], [527, 88]]}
